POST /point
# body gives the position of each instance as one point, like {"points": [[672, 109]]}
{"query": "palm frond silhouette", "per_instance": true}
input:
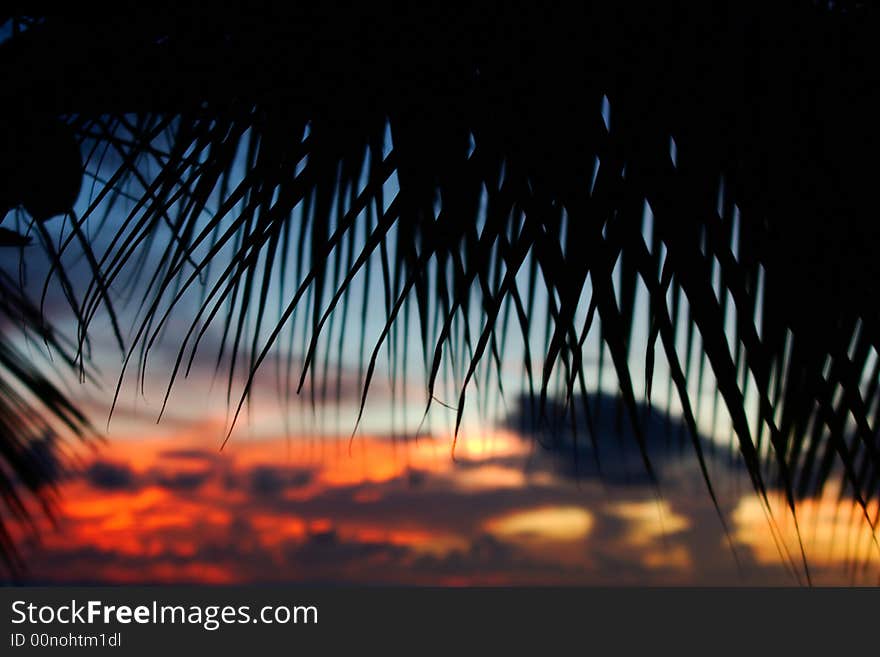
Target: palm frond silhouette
{"points": [[502, 164], [35, 417]]}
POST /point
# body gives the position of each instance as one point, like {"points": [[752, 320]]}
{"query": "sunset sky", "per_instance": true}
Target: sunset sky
{"points": [[163, 504], [294, 496]]}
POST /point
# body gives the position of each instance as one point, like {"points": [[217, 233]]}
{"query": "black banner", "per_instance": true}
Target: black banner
{"points": [[229, 620]]}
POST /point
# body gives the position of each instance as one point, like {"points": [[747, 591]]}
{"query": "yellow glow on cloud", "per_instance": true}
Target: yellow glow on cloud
{"points": [[649, 521], [484, 445], [561, 523], [833, 533], [490, 477]]}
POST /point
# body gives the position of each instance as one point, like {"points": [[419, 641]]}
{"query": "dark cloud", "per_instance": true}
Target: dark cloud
{"points": [[268, 481], [115, 476], [110, 476], [416, 477], [182, 481], [325, 553], [611, 451]]}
